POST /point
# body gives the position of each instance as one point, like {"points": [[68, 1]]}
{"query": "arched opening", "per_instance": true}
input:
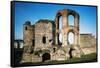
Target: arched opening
{"points": [[44, 39], [71, 42], [70, 38], [26, 28], [60, 22], [45, 57], [71, 20], [60, 28]]}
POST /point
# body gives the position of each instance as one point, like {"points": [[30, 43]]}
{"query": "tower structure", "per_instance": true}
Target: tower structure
{"points": [[66, 28]]}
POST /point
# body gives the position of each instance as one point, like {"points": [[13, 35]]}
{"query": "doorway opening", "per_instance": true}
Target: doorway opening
{"points": [[45, 57]]}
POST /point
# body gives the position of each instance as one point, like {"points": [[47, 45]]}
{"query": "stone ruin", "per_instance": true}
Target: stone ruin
{"points": [[41, 40]]}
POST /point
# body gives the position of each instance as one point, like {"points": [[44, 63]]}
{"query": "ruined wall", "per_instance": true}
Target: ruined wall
{"points": [[40, 36], [88, 43], [66, 28], [43, 34], [87, 40]]}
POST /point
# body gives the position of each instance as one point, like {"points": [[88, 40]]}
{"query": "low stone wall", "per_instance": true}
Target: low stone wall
{"points": [[26, 58], [89, 50], [36, 58]]}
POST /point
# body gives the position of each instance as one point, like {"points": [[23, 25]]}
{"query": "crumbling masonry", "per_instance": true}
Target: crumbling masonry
{"points": [[41, 40]]}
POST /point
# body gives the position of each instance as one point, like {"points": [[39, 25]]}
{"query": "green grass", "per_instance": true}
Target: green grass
{"points": [[85, 58]]}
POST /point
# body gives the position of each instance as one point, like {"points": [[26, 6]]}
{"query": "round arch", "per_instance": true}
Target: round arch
{"points": [[75, 16], [46, 56], [71, 20], [71, 37], [66, 28]]}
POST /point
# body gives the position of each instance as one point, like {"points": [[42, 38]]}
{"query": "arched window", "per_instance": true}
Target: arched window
{"points": [[33, 42], [44, 39], [71, 20], [25, 28], [70, 38], [60, 22], [60, 28]]}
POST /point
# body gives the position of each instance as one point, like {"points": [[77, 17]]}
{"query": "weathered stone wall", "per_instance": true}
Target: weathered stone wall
{"points": [[87, 40], [88, 43], [36, 58], [58, 55], [66, 29], [28, 36], [43, 29], [89, 50], [41, 37]]}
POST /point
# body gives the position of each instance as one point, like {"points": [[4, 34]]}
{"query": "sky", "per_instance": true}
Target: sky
{"points": [[33, 12]]}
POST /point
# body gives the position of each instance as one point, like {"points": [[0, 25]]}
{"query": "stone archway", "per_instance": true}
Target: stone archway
{"points": [[45, 57], [66, 27]]}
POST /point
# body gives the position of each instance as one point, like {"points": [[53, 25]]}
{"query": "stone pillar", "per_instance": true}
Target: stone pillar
{"points": [[76, 39], [57, 38], [76, 28], [66, 38], [57, 27], [56, 23], [64, 26], [76, 21], [62, 39], [64, 21]]}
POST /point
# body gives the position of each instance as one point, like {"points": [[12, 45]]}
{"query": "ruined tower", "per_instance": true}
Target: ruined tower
{"points": [[66, 28], [29, 37]]}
